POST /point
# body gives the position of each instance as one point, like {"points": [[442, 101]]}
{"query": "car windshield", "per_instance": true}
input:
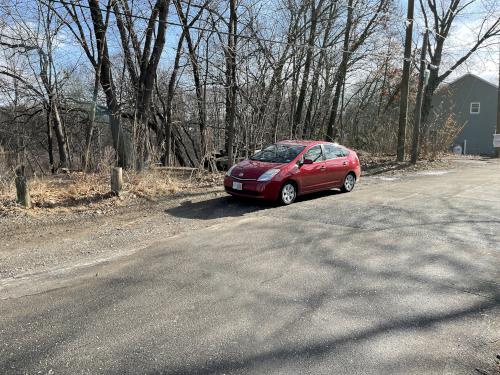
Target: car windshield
{"points": [[278, 153]]}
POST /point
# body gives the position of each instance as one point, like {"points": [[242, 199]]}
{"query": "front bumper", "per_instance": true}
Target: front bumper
{"points": [[252, 188]]}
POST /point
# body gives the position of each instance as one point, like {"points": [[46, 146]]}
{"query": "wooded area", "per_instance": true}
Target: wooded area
{"points": [[86, 84]]}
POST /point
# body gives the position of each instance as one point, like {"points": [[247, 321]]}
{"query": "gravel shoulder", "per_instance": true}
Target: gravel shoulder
{"points": [[48, 241]]}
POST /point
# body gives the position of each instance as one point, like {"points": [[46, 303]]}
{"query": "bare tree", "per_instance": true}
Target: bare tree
{"points": [[37, 46], [348, 49], [315, 13], [94, 43], [439, 18], [195, 66], [142, 63]]}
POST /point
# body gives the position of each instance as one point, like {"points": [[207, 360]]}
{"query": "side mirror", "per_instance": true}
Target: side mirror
{"points": [[307, 161]]}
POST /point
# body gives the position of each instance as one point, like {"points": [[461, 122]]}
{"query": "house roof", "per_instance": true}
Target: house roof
{"points": [[473, 76]]}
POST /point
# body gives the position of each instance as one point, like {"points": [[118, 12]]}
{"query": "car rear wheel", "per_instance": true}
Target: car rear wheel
{"points": [[349, 182], [288, 193]]}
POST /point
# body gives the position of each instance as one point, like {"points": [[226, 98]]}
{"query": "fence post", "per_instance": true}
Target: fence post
{"points": [[22, 188], [116, 180]]}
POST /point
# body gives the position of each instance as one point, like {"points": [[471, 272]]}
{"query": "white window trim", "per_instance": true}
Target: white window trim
{"points": [[478, 108]]}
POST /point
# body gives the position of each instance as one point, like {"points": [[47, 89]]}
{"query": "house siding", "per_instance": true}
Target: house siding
{"points": [[479, 128]]}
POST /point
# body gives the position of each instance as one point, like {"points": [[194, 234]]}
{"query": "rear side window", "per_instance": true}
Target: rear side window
{"points": [[332, 152], [344, 151], [314, 154]]}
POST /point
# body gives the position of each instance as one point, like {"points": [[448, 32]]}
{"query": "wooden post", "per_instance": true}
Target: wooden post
{"points": [[22, 188], [116, 180]]}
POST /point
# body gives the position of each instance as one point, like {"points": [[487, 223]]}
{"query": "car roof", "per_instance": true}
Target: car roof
{"points": [[305, 142], [298, 142]]}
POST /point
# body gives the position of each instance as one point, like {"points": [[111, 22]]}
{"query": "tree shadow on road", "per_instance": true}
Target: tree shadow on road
{"points": [[217, 208], [336, 288], [229, 206], [330, 347]]}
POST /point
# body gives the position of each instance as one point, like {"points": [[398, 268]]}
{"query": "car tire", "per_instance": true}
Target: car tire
{"points": [[349, 183], [288, 193]]}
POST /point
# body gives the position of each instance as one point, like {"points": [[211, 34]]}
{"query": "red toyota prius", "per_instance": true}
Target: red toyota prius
{"points": [[287, 169]]}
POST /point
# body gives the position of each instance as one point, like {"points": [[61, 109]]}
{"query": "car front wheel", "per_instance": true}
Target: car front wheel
{"points": [[349, 182], [288, 193]]}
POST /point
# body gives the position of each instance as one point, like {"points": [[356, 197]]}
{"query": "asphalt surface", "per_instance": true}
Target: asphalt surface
{"points": [[401, 276]]}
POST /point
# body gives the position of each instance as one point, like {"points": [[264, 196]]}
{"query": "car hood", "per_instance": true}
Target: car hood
{"points": [[252, 169]]}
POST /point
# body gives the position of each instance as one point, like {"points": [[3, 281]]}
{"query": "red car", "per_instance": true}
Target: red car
{"points": [[287, 169]]}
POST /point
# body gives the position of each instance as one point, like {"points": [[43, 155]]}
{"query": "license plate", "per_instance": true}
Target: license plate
{"points": [[237, 186]]}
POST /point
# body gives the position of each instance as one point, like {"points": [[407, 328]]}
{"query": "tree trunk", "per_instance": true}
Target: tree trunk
{"points": [[315, 81], [121, 142], [59, 132], [90, 126], [418, 104], [54, 110], [170, 98], [231, 82], [49, 141], [148, 70], [331, 131], [307, 66], [196, 77]]}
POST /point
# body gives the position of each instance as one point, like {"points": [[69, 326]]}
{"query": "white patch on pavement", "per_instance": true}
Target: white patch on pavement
{"points": [[385, 178], [433, 173]]}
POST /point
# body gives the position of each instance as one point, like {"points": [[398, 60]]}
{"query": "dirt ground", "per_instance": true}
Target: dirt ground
{"points": [[48, 239]]}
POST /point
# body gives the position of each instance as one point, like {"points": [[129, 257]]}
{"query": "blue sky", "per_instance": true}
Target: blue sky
{"points": [[483, 63]]}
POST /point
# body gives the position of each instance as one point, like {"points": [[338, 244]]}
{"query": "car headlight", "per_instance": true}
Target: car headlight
{"points": [[266, 176], [228, 173]]}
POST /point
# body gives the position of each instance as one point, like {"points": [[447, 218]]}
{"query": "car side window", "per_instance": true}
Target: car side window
{"points": [[332, 152], [329, 152], [314, 154], [340, 152]]}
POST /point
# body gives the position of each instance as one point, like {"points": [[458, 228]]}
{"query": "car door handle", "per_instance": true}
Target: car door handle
{"points": [[344, 163], [322, 167]]}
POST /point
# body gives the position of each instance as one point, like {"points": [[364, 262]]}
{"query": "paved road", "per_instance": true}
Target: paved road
{"points": [[399, 277]]}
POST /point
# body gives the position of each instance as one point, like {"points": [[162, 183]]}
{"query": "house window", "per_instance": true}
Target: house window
{"points": [[475, 107]]}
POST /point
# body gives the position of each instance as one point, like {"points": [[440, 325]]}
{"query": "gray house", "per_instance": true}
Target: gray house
{"points": [[473, 103]]}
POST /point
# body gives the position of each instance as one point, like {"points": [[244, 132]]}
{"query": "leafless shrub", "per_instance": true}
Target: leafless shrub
{"points": [[6, 178], [107, 159], [4, 167], [441, 137]]}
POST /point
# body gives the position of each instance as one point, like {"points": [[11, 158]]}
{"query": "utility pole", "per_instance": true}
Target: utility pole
{"points": [[418, 105], [498, 103], [403, 104]]}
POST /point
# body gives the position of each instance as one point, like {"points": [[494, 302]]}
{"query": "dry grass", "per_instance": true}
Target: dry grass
{"points": [[78, 190], [162, 181], [153, 184]]}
